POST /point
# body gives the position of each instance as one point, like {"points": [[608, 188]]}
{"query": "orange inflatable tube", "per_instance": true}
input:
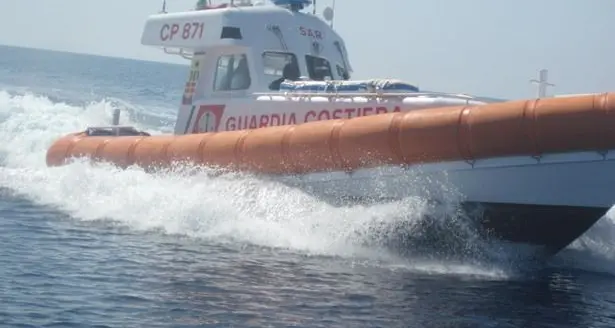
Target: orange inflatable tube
{"points": [[527, 127]]}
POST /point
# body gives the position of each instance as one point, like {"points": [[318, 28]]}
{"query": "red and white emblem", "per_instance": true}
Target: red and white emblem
{"points": [[208, 118]]}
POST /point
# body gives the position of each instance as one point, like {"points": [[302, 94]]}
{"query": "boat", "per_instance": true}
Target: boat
{"points": [[270, 92]]}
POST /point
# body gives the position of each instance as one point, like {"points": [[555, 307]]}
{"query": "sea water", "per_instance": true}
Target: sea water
{"points": [[84, 245]]}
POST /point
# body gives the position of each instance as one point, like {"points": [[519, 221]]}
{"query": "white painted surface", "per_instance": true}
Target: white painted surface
{"points": [[577, 179], [299, 33]]}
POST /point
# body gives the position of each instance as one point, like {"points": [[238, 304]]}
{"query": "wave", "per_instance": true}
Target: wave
{"points": [[237, 209]]}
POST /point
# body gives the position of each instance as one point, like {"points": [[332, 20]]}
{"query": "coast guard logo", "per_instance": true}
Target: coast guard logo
{"points": [[208, 118]]}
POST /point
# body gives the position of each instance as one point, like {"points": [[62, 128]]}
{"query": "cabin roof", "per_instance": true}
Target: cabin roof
{"points": [[199, 29]]}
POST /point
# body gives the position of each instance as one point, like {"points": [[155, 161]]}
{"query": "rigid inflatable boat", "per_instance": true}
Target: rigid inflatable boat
{"points": [[270, 92]]}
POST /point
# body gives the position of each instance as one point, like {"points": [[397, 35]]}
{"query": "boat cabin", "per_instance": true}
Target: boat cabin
{"points": [[259, 64], [242, 46]]}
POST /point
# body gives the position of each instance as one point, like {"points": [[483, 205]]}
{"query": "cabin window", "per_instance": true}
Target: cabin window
{"points": [[319, 68], [341, 72], [279, 66], [274, 63], [232, 73]]}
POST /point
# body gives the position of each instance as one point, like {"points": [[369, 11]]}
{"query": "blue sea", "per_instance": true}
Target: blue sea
{"points": [[95, 246]]}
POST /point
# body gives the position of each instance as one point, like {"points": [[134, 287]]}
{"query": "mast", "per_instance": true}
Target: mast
{"points": [[542, 83]]}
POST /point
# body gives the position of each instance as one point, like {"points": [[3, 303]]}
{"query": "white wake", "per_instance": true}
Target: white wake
{"points": [[225, 209]]}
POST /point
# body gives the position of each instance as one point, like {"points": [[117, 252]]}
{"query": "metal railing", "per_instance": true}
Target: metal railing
{"points": [[351, 94], [180, 52]]}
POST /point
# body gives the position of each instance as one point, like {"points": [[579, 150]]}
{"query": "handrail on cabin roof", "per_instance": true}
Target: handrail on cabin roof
{"points": [[364, 94]]}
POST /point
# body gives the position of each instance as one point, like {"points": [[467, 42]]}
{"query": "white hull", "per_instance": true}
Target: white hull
{"points": [[577, 179], [272, 109], [547, 203]]}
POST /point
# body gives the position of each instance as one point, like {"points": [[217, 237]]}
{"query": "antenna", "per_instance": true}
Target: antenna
{"points": [[333, 10], [164, 7], [542, 83]]}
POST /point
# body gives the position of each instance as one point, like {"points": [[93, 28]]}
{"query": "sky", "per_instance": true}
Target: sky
{"points": [[482, 47]]}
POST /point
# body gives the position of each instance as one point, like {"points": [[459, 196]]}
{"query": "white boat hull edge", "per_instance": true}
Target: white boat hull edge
{"points": [[548, 201]]}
